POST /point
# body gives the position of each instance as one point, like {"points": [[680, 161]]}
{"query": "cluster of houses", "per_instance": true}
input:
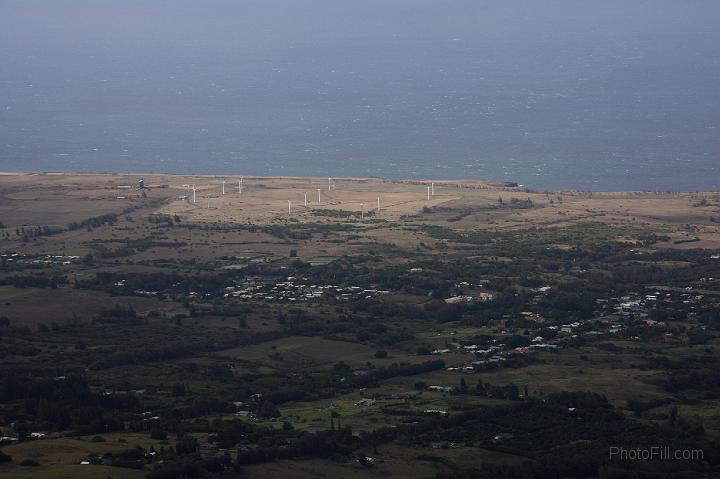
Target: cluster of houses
{"points": [[619, 312], [492, 355], [297, 289], [479, 297], [14, 439], [11, 259], [290, 290]]}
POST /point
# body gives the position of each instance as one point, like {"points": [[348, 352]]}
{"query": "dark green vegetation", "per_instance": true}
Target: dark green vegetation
{"points": [[537, 350]]}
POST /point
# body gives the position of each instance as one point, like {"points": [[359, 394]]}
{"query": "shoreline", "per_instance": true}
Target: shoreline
{"points": [[459, 182]]}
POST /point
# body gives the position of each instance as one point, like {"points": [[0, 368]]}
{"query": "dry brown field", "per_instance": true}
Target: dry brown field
{"points": [[56, 199]]}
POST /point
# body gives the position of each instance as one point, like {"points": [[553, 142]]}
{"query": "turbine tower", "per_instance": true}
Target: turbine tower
{"points": [[306, 198], [362, 211], [432, 189], [319, 197], [194, 194], [329, 184], [223, 188], [378, 207], [428, 191]]}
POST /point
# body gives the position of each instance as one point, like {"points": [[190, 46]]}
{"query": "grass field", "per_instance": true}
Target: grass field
{"points": [[60, 457]]}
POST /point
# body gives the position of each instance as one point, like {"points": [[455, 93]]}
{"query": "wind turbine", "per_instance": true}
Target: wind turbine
{"points": [[194, 194], [306, 198], [362, 211], [319, 198], [289, 207], [428, 191], [378, 207], [432, 189], [223, 188]]}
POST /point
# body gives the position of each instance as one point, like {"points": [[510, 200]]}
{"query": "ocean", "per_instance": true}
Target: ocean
{"points": [[611, 95]]}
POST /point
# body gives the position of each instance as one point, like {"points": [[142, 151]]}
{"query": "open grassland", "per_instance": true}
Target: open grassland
{"points": [[61, 457], [33, 306]]}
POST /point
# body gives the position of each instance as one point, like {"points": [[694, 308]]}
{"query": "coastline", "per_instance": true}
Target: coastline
{"points": [[456, 182]]}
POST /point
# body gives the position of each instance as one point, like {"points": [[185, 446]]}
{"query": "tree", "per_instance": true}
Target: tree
{"points": [[336, 415], [268, 409], [4, 457], [187, 445], [513, 393], [463, 386], [179, 389]]}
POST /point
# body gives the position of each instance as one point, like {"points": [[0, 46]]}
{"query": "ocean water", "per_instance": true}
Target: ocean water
{"points": [[583, 94]]}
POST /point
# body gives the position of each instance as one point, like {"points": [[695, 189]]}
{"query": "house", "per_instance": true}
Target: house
{"points": [[521, 351], [483, 297], [442, 389], [530, 316], [459, 299], [435, 411]]}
